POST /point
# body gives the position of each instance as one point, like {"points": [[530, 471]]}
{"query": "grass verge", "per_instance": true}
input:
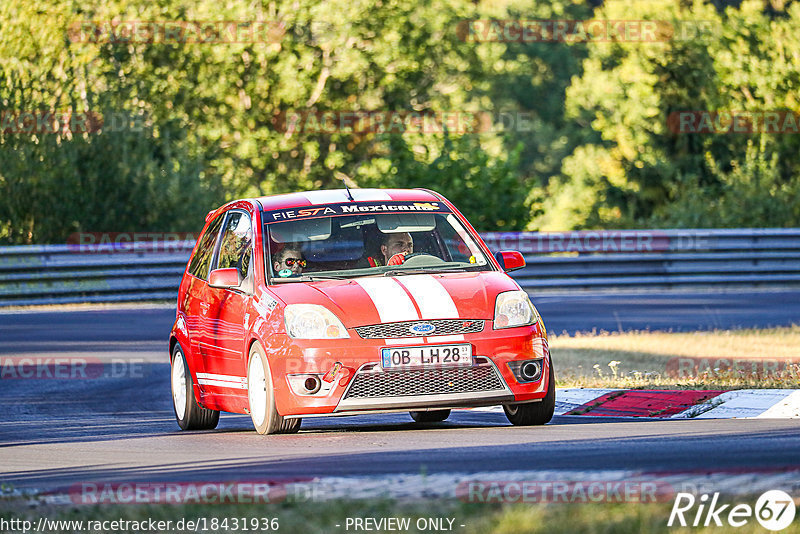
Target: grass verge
{"points": [[719, 359]]}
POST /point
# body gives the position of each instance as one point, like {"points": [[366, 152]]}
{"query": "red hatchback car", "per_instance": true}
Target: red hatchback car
{"points": [[344, 302]]}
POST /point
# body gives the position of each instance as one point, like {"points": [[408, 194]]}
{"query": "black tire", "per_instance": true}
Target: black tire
{"points": [[190, 416], [433, 416], [534, 413], [270, 422]]}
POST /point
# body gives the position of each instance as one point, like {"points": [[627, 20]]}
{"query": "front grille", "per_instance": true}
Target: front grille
{"points": [[443, 327], [413, 382]]}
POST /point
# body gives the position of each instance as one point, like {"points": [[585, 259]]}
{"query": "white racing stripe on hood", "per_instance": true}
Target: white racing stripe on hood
{"points": [[432, 298], [391, 300]]}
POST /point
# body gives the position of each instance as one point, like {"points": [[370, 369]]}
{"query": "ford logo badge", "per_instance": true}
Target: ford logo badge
{"points": [[421, 328]]}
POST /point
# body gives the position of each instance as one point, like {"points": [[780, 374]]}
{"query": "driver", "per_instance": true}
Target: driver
{"points": [[394, 248], [394, 244], [398, 245]]}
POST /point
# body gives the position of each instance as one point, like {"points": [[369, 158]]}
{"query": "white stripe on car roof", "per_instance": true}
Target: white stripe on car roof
{"points": [[367, 194], [339, 195], [325, 197]]}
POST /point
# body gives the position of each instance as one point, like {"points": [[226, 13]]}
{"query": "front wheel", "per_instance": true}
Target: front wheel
{"points": [[261, 397], [534, 413], [433, 416], [190, 415]]}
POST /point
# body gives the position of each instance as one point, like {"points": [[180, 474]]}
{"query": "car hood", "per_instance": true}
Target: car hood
{"points": [[374, 300]]}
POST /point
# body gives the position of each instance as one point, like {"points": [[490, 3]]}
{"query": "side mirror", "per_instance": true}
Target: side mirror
{"points": [[510, 260], [224, 278]]}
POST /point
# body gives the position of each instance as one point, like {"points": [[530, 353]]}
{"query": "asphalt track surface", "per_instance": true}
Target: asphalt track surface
{"points": [[119, 426]]}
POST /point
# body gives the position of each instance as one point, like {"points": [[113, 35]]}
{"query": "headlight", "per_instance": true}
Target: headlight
{"points": [[311, 321], [513, 308]]}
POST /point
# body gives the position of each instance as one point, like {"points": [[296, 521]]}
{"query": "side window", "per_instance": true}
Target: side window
{"points": [[201, 260], [235, 249]]}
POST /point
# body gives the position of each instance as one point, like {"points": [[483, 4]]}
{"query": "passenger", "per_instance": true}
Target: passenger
{"points": [[289, 262]]}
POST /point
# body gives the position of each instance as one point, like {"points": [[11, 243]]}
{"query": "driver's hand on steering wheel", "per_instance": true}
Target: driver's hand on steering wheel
{"points": [[397, 259]]}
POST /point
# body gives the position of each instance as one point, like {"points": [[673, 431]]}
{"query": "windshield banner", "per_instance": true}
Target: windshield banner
{"points": [[352, 208]]}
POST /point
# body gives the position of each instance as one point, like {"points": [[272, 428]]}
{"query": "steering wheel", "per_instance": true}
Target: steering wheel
{"points": [[421, 258]]}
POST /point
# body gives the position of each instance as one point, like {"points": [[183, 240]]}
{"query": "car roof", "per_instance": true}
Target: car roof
{"points": [[336, 196]]}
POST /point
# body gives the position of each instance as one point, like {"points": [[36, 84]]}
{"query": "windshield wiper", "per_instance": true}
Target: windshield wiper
{"points": [[429, 270], [310, 278], [395, 272]]}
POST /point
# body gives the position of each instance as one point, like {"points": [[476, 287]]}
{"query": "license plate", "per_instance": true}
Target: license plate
{"points": [[428, 356]]}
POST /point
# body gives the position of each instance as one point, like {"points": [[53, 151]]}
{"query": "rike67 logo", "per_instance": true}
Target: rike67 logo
{"points": [[774, 510]]}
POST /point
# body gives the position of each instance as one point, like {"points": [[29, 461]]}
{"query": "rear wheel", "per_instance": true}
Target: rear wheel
{"points": [[534, 413], [190, 415], [261, 397], [433, 416]]}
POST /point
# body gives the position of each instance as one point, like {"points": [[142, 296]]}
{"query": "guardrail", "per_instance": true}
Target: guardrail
{"points": [[654, 259], [64, 274], [568, 261]]}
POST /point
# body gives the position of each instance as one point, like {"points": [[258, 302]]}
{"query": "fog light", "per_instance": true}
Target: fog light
{"points": [[527, 370], [307, 384], [311, 385], [531, 370]]}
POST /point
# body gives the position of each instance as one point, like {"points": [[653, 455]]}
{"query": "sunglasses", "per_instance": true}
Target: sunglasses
{"points": [[291, 261]]}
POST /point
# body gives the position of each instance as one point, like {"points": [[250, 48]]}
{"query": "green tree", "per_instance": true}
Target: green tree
{"points": [[487, 192], [642, 172], [141, 176]]}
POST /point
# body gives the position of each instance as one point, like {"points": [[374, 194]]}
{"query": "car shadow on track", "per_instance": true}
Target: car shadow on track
{"points": [[458, 420], [40, 423], [664, 449]]}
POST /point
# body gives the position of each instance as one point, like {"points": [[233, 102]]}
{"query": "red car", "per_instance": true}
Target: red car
{"points": [[345, 302]]}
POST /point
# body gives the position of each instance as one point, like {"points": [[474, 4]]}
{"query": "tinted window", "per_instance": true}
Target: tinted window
{"points": [[201, 260], [235, 248], [348, 244]]}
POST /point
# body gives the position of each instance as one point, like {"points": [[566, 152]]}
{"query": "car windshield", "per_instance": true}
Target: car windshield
{"points": [[368, 239]]}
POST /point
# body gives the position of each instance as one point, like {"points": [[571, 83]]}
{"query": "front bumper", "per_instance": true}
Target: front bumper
{"points": [[374, 389], [362, 386]]}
